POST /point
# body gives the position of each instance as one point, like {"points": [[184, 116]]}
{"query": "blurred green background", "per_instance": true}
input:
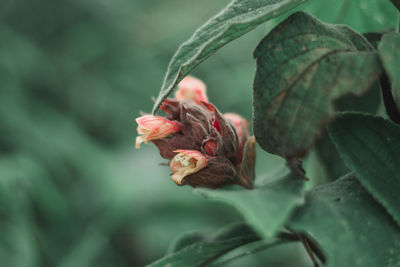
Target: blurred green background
{"points": [[74, 75]]}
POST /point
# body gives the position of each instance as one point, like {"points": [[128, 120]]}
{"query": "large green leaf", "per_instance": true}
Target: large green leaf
{"points": [[267, 206], [329, 159], [326, 150], [303, 65], [370, 146], [200, 249], [352, 229], [238, 18], [389, 50]]}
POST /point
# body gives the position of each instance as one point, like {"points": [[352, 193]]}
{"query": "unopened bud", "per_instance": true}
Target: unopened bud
{"points": [[191, 88], [219, 172], [210, 147], [242, 130]]}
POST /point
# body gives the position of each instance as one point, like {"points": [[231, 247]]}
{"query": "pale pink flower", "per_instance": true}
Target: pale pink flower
{"points": [[186, 162], [191, 88], [154, 127]]}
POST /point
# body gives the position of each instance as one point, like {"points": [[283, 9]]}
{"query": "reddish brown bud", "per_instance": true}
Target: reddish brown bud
{"points": [[210, 147], [219, 172], [171, 107], [198, 125], [205, 148]]}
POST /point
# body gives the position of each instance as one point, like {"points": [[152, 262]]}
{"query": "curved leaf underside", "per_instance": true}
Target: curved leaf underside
{"points": [[198, 249], [266, 207], [370, 146], [238, 18], [350, 226], [303, 65]]}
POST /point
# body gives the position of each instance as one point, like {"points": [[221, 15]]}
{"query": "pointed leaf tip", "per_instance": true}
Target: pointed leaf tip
{"points": [[236, 19]]}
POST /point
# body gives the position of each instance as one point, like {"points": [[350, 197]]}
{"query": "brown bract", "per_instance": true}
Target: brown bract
{"points": [[203, 128]]}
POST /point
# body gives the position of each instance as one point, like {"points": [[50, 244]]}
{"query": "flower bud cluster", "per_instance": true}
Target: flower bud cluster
{"points": [[204, 147]]}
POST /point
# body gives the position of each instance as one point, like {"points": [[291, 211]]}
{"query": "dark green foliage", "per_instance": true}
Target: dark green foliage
{"points": [[370, 146], [326, 151], [330, 159], [351, 228], [302, 66]]}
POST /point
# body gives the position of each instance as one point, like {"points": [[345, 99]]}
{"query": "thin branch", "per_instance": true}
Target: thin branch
{"points": [[308, 249], [253, 251], [295, 165], [313, 245], [282, 238]]}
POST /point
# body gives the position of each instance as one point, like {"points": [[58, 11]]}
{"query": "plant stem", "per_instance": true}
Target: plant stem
{"points": [[253, 251], [311, 246], [308, 249], [295, 165]]}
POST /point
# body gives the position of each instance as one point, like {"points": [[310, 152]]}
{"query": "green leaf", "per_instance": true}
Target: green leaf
{"points": [[389, 50], [370, 146], [198, 250], [326, 150], [238, 18], [351, 228], [185, 240], [266, 207], [367, 103], [302, 66], [330, 159]]}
